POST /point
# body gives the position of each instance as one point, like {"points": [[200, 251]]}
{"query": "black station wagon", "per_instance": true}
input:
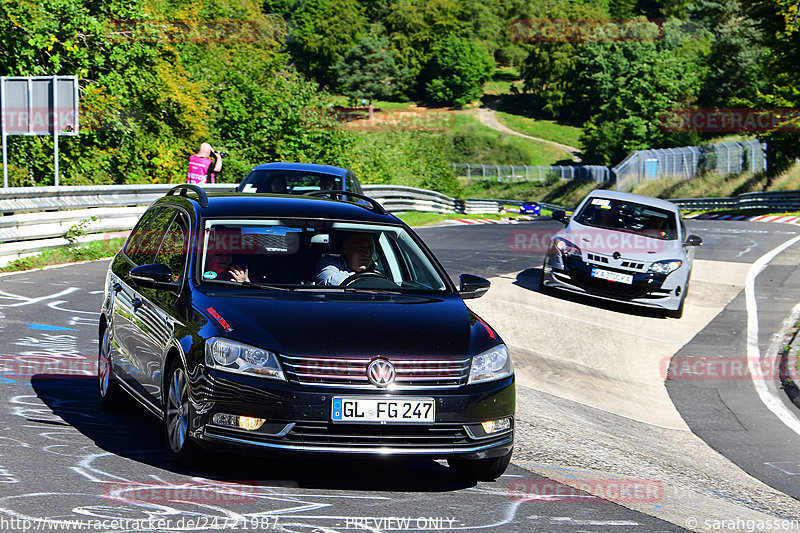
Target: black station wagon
{"points": [[215, 319]]}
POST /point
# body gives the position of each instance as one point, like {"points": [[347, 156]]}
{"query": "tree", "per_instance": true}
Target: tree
{"points": [[321, 33], [368, 70], [457, 72]]}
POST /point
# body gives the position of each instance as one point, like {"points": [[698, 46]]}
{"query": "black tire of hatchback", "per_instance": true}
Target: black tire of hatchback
{"points": [[182, 449], [107, 387], [677, 313], [480, 469]]}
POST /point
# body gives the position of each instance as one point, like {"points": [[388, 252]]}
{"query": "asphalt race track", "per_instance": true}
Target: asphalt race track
{"points": [[64, 462]]}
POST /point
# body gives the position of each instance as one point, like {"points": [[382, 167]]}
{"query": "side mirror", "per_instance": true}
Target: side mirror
{"points": [[693, 240], [561, 216], [472, 286], [155, 276]]}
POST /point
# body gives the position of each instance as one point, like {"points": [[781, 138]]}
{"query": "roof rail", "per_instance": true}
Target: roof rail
{"points": [[374, 205], [184, 188]]}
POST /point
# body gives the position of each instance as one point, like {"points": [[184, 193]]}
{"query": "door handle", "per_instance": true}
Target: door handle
{"points": [[137, 303]]}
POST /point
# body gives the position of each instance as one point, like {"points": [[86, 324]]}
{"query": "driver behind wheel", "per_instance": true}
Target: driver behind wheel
{"points": [[358, 250]]}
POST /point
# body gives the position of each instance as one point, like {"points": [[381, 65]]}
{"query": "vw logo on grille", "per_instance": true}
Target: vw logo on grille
{"points": [[381, 372]]}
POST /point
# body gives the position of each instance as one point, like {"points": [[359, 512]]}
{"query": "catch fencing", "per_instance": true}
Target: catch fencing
{"points": [[723, 158], [535, 173], [685, 162]]}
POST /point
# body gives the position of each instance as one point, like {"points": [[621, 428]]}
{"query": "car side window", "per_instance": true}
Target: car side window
{"points": [[173, 249], [147, 244], [139, 231]]}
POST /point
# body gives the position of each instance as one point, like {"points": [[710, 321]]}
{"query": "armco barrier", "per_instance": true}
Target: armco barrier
{"points": [[38, 218]]}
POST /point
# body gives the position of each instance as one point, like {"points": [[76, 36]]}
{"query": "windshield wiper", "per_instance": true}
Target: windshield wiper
{"points": [[265, 286]]}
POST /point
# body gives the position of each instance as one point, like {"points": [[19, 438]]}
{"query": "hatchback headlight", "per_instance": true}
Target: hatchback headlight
{"points": [[490, 365], [233, 356], [565, 247], [665, 267]]}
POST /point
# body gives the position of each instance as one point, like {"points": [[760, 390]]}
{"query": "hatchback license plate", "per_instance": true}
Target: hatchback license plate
{"points": [[383, 410], [612, 276]]}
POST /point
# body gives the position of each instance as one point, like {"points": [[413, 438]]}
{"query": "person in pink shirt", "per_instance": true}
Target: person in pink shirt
{"points": [[200, 165]]}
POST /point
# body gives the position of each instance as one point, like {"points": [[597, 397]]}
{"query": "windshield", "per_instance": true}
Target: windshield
{"points": [[624, 215], [290, 181], [315, 254]]}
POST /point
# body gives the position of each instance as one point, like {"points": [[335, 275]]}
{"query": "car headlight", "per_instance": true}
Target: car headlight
{"points": [[665, 267], [565, 247], [233, 356], [490, 365]]}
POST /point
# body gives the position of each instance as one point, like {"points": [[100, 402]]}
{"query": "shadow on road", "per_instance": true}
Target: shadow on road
{"points": [[131, 432], [531, 278]]}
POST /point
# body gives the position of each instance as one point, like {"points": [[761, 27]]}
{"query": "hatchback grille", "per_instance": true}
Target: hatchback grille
{"points": [[418, 372]]}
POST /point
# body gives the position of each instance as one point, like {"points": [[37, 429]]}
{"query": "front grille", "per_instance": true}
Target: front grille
{"points": [[363, 436], [417, 372]]}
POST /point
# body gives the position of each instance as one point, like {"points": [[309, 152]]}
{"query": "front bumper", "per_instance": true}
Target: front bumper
{"points": [[298, 419], [649, 290]]}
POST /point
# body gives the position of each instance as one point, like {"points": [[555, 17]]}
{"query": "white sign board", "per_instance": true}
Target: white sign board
{"points": [[35, 105], [38, 105]]}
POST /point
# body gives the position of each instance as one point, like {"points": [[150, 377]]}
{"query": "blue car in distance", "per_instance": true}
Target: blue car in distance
{"points": [[530, 208], [299, 178]]}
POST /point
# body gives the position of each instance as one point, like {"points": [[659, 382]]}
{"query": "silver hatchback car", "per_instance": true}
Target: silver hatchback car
{"points": [[623, 247]]}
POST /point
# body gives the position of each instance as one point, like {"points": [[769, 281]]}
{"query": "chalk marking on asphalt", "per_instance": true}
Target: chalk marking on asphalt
{"points": [[772, 402]]}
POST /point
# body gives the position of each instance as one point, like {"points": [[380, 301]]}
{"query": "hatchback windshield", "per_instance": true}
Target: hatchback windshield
{"points": [[301, 254], [623, 215]]}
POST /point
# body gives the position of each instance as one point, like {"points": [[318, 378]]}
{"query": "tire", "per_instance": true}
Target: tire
{"points": [[182, 449], [480, 469], [677, 313], [107, 386]]}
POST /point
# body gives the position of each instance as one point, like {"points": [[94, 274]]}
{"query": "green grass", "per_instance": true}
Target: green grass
{"points": [[544, 129], [68, 254], [418, 219], [562, 193], [502, 80], [477, 143]]}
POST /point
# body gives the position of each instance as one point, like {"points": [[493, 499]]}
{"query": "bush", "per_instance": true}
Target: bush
{"points": [[457, 72]]}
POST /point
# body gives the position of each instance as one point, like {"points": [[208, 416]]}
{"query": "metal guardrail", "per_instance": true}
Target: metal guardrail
{"points": [[38, 218], [533, 173], [768, 200]]}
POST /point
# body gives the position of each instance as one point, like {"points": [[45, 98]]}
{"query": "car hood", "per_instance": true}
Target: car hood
{"points": [[630, 245], [309, 323]]}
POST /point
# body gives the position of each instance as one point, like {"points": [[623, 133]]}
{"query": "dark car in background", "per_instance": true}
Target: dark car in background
{"points": [[298, 178], [388, 362]]}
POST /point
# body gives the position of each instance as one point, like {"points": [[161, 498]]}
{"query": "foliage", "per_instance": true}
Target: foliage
{"points": [[153, 89], [78, 230], [457, 71], [412, 158], [322, 32], [368, 70]]}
